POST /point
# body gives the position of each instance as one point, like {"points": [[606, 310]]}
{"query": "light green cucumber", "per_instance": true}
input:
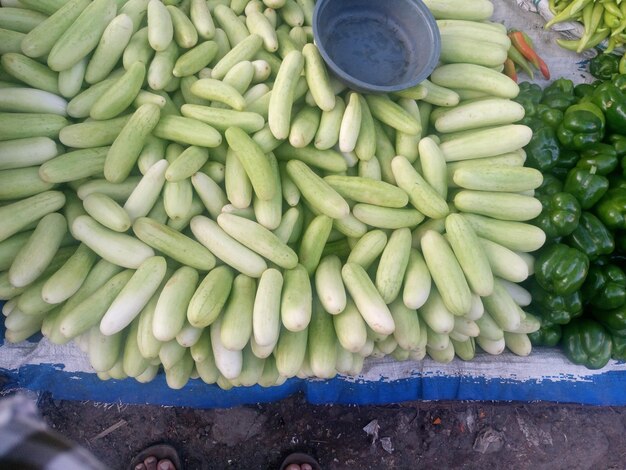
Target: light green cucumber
{"points": [[266, 309], [322, 343], [187, 131], [329, 285], [109, 51], [171, 309], [237, 316], [210, 296]]}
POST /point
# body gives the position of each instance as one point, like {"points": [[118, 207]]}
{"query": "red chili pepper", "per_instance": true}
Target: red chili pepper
{"points": [[509, 69], [519, 42]]}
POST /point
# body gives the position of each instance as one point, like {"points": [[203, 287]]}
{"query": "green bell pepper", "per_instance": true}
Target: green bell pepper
{"points": [[586, 186], [619, 347], [543, 150], [605, 287], [559, 94], [584, 90], [604, 66], [529, 97], [550, 185], [610, 99], [611, 210], [549, 116], [560, 214], [548, 335], [561, 269], [619, 144], [553, 308], [591, 237], [602, 157], [587, 343], [614, 320], [582, 126]]}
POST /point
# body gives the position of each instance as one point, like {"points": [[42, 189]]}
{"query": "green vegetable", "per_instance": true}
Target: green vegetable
{"points": [[591, 237], [582, 126], [549, 116], [602, 157], [561, 269], [553, 308], [604, 66], [529, 97], [605, 287], [611, 210], [560, 214], [547, 335], [619, 144], [614, 319], [559, 94], [612, 101], [587, 342], [619, 347], [586, 186], [543, 151]]}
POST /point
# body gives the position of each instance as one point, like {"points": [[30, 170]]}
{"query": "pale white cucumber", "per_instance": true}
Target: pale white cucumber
{"points": [[134, 296]]}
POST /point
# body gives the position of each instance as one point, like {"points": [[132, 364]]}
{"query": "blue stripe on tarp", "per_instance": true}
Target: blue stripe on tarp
{"points": [[605, 389]]}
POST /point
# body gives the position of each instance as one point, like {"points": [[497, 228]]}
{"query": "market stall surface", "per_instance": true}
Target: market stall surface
{"points": [[412, 435]]}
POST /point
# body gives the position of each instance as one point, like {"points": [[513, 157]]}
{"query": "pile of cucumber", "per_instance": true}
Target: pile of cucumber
{"points": [[183, 185]]}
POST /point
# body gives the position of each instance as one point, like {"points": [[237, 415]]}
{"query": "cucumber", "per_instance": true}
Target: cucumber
{"points": [[367, 299], [134, 296], [368, 191], [329, 285], [498, 178], [368, 248], [516, 236], [491, 347], [187, 131], [229, 363], [282, 96], [185, 34], [505, 263], [436, 315], [170, 311], [502, 308], [88, 313], [144, 196], [110, 48], [421, 195], [475, 77], [328, 160], [446, 273], [179, 374], [322, 343], [210, 296], [477, 114], [106, 211], [489, 142], [104, 351], [92, 133], [407, 333], [470, 254], [466, 50], [76, 165], [316, 191], [477, 10], [82, 35], [118, 248], [124, 152], [174, 244], [254, 161], [237, 316], [392, 114], [266, 314], [27, 125], [133, 363], [160, 27], [22, 182], [350, 328], [498, 205], [417, 281], [226, 248], [65, 282], [222, 119], [202, 19], [149, 346], [22, 153], [392, 265]]}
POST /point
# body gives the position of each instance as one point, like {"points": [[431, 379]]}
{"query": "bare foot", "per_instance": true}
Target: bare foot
{"points": [[294, 466], [151, 463]]}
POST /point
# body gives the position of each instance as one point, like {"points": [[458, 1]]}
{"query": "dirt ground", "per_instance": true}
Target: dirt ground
{"points": [[413, 435]]}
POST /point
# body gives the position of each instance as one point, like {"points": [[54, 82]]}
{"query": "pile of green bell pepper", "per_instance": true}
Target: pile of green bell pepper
{"points": [[579, 144]]}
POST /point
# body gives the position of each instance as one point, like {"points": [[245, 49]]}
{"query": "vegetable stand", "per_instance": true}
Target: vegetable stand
{"points": [[505, 377]]}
